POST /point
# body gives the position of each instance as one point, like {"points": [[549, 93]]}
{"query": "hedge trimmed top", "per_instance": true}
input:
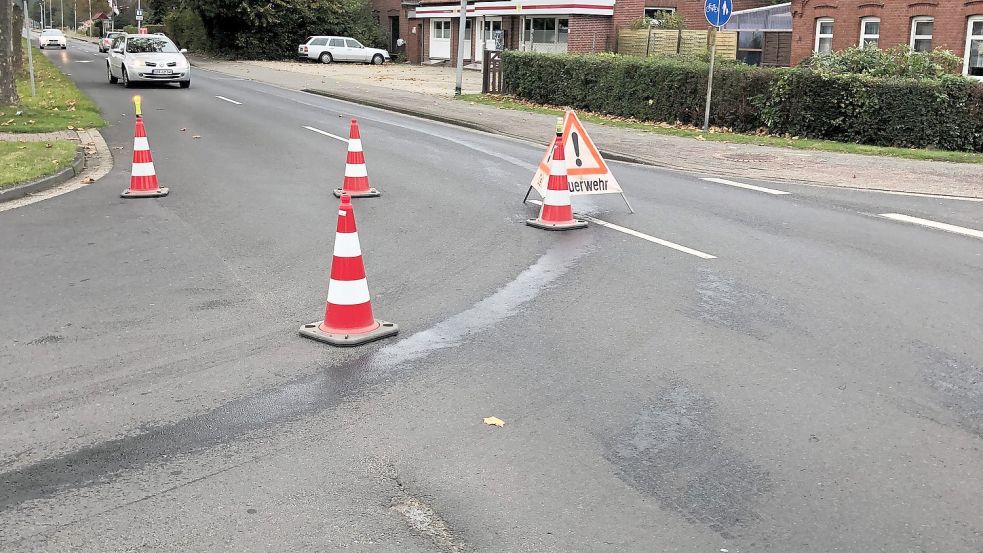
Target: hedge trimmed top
{"points": [[944, 113]]}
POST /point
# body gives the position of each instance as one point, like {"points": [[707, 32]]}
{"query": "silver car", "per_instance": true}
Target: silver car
{"points": [[147, 58], [327, 49]]}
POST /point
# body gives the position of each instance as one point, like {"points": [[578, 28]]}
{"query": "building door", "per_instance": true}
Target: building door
{"points": [[393, 33], [440, 39], [488, 28], [468, 29]]}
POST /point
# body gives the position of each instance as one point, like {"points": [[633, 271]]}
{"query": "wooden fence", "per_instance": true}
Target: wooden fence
{"points": [[665, 41]]}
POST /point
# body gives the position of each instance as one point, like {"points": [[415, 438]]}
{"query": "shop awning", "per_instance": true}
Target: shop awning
{"points": [[518, 7]]}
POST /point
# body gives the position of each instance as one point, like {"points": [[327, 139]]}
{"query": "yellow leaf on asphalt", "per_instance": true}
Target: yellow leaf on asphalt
{"points": [[494, 421], [88, 180]]}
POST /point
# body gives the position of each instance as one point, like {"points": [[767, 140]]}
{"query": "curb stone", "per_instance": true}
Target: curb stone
{"points": [[20, 190]]}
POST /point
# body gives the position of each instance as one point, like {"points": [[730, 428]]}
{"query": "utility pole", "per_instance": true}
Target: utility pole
{"points": [[63, 14], [460, 47]]}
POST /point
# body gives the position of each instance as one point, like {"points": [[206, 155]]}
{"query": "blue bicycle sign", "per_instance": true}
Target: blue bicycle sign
{"points": [[718, 12]]}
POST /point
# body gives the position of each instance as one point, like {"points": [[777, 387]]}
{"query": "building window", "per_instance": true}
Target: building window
{"points": [[750, 45], [870, 32], [824, 35], [652, 13], [546, 30], [921, 34], [974, 48], [441, 29]]}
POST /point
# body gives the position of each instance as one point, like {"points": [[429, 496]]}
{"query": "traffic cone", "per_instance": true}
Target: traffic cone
{"points": [[348, 319], [143, 177], [356, 182], [557, 213]]}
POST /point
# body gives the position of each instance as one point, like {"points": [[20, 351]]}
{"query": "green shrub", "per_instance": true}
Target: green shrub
{"points": [[900, 61], [915, 113], [945, 113], [185, 28], [659, 88], [272, 29]]}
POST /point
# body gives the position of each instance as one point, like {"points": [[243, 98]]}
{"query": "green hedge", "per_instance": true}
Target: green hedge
{"points": [[654, 89], [940, 113]]}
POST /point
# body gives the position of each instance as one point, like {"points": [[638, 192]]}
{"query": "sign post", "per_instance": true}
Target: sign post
{"points": [[718, 13]]}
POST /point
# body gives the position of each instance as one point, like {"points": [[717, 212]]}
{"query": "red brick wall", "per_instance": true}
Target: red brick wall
{"points": [[951, 19], [589, 33]]}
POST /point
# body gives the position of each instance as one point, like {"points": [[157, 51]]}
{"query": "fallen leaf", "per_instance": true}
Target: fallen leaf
{"points": [[700, 138], [117, 147], [182, 130], [48, 145], [196, 136], [494, 421], [71, 128], [88, 180]]}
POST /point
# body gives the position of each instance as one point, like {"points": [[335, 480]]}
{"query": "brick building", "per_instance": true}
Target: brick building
{"points": [[430, 27], [828, 25]]}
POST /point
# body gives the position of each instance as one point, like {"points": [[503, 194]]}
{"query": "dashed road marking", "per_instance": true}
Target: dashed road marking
{"points": [[933, 224], [642, 235], [747, 186], [326, 133], [229, 100]]}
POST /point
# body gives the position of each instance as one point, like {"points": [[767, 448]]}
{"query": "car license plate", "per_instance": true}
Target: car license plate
{"points": [[162, 71]]}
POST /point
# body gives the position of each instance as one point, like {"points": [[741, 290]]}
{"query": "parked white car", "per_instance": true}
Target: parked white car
{"points": [[327, 49], [52, 38], [147, 58]]}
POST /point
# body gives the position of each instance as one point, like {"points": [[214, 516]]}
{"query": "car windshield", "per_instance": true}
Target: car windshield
{"points": [[50, 32], [155, 44]]}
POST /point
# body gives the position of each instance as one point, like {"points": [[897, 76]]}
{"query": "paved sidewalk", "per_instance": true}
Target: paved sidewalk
{"points": [[38, 136], [686, 154]]}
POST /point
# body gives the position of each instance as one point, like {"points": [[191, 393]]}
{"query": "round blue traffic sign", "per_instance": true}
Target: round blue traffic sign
{"points": [[718, 12]]}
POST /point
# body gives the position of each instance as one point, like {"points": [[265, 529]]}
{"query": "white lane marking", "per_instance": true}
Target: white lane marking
{"points": [[915, 194], [933, 224], [747, 186], [229, 100], [641, 235], [326, 133]]}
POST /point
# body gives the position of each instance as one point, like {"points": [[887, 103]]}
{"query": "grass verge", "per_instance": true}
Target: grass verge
{"points": [[718, 135], [59, 104], [27, 161]]}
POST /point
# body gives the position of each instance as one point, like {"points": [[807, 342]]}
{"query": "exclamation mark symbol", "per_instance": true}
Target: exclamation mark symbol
{"points": [[576, 147]]}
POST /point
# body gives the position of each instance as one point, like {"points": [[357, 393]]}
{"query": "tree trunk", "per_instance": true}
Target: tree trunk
{"points": [[18, 27], [8, 87]]}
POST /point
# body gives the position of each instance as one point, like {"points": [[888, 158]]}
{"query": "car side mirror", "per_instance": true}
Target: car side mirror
{"points": [[184, 50], [117, 50]]}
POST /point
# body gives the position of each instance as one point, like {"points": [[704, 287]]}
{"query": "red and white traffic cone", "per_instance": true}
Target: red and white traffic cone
{"points": [[348, 319], [356, 182], [557, 213], [143, 177]]}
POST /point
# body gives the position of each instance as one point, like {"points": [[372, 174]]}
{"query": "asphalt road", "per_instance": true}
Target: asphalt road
{"points": [[816, 387]]}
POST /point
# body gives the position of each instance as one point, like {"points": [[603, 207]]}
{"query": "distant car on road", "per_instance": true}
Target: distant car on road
{"points": [[107, 41], [147, 58], [327, 49], [52, 38]]}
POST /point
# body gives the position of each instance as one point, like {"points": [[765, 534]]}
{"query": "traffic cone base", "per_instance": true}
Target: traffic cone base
{"points": [[317, 331], [370, 193], [574, 223], [145, 193]]}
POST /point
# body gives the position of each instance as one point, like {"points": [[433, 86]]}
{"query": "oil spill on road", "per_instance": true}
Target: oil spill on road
{"points": [[958, 382], [672, 452], [726, 302], [101, 463]]}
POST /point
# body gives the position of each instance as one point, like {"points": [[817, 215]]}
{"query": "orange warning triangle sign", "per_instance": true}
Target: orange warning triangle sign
{"points": [[584, 159], [587, 173]]}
